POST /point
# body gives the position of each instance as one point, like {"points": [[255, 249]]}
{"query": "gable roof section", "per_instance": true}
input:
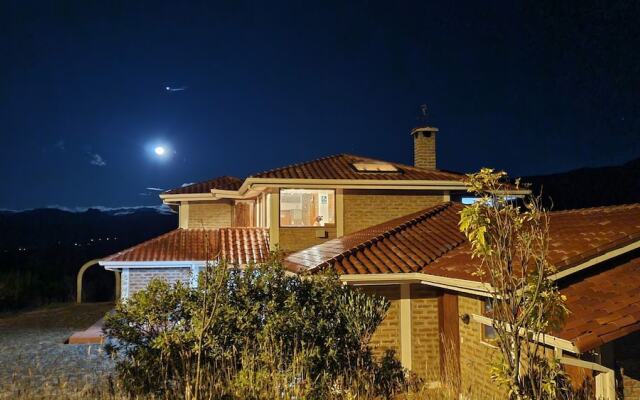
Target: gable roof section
{"points": [[575, 236], [405, 244], [430, 242], [603, 306], [235, 245], [220, 183], [340, 166]]}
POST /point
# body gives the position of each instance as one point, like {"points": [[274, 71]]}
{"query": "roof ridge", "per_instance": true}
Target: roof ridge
{"points": [[128, 249], [204, 181], [418, 216], [596, 208], [299, 164]]}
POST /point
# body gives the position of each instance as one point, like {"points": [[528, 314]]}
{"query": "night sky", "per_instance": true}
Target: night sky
{"points": [[534, 87]]}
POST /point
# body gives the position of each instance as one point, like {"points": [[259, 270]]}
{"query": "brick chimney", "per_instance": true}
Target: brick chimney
{"points": [[424, 143]]}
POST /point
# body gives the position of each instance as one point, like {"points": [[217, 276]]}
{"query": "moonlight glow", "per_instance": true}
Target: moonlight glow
{"points": [[160, 150]]}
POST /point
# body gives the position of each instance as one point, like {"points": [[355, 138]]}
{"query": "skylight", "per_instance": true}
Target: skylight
{"points": [[375, 167]]}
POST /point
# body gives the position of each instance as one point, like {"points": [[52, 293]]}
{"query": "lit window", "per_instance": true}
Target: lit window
{"points": [[307, 207], [375, 167], [488, 331]]}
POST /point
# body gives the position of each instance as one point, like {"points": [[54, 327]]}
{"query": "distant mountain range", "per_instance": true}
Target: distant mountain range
{"points": [[59, 226], [590, 187]]}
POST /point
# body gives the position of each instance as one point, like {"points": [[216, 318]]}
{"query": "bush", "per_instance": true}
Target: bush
{"points": [[252, 333]]}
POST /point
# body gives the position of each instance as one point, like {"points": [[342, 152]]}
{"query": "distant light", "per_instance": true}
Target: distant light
{"points": [[160, 150]]}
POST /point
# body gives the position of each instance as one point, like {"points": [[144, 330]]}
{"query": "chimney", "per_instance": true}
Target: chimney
{"points": [[424, 143]]}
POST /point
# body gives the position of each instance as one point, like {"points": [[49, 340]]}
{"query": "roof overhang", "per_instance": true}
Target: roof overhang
{"points": [[115, 265]]}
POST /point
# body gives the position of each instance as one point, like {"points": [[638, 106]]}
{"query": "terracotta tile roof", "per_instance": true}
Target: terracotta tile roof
{"points": [[341, 167], [405, 244], [429, 241], [236, 245], [604, 305], [221, 183], [575, 237]]}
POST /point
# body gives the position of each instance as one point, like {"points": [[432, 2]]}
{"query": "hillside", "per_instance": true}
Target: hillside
{"points": [[42, 249], [590, 187]]}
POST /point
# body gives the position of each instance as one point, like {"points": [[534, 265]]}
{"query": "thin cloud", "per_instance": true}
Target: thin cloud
{"points": [[187, 184], [97, 160], [155, 189]]}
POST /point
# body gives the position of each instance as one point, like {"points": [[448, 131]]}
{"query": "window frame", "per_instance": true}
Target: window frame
{"points": [[279, 216], [491, 341]]}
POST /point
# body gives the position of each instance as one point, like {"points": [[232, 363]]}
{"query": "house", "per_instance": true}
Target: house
{"points": [[392, 229]]}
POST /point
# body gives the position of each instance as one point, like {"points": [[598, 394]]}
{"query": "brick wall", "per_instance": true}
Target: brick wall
{"points": [[387, 336], [294, 239], [425, 332], [424, 150], [210, 215], [365, 208], [627, 355], [139, 278], [476, 357]]}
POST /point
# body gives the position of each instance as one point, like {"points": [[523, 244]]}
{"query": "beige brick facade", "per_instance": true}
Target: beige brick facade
{"points": [[211, 214], [294, 239], [627, 354], [424, 149], [139, 278], [365, 208], [476, 357], [387, 336], [425, 332]]}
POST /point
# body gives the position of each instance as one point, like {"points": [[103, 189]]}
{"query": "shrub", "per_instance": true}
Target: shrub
{"points": [[251, 333]]}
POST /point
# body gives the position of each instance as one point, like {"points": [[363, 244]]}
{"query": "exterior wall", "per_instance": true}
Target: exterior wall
{"points": [[425, 332], [139, 278], [294, 239], [365, 208], [627, 355], [425, 358], [476, 357], [211, 214], [387, 336]]}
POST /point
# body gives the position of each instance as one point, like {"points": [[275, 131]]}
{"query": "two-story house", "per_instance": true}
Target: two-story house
{"points": [[392, 229]]}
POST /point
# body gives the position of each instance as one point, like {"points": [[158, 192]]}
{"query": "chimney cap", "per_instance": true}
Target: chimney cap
{"points": [[424, 129]]}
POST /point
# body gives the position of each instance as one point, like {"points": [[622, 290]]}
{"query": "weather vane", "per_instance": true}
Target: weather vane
{"points": [[423, 111]]}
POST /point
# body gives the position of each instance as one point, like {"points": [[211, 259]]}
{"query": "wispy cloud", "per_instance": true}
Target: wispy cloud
{"points": [[155, 189], [60, 145], [97, 160], [187, 184]]}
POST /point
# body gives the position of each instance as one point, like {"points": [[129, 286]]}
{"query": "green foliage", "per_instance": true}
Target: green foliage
{"points": [[511, 241], [255, 331]]}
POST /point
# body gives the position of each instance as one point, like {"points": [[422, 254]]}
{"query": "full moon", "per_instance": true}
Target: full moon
{"points": [[159, 150]]}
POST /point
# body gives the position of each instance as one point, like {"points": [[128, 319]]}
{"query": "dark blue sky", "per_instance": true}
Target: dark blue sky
{"points": [[532, 88]]}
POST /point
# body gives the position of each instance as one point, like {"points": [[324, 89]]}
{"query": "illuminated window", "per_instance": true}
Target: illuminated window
{"points": [[488, 332], [375, 167], [307, 207]]}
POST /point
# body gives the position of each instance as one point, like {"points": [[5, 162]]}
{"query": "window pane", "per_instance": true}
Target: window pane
{"points": [[307, 207]]}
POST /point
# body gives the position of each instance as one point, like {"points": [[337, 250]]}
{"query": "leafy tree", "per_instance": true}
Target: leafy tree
{"points": [[511, 240], [256, 332]]}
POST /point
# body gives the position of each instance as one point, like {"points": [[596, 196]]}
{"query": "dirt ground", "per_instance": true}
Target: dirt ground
{"points": [[32, 350]]}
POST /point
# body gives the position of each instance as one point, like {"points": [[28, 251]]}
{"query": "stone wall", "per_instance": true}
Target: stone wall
{"points": [[298, 238], [211, 214], [424, 150], [139, 278], [365, 208]]}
